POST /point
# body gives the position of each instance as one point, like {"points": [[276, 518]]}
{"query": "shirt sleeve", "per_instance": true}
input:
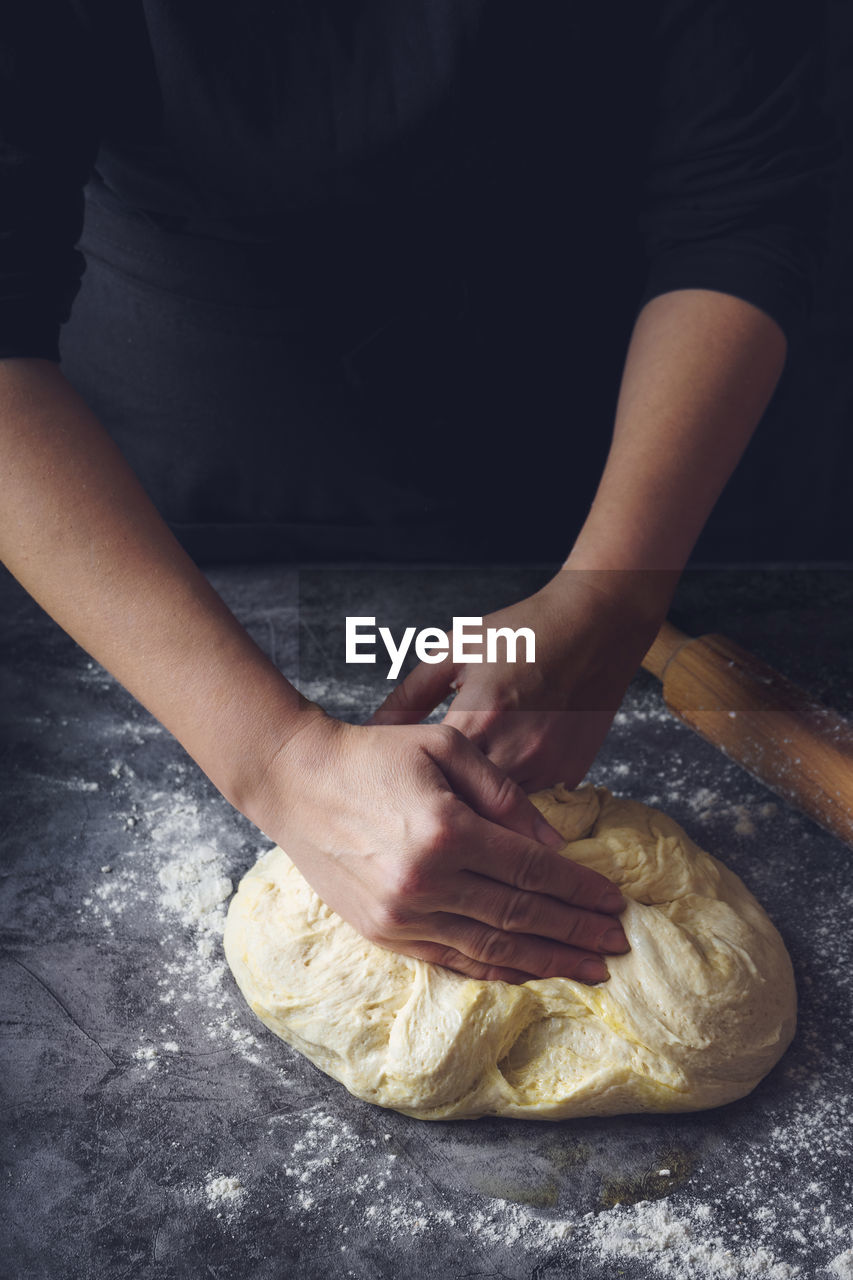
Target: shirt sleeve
{"points": [[48, 143], [737, 187]]}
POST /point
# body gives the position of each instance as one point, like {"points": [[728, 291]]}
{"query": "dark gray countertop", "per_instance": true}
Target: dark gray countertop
{"points": [[153, 1128]]}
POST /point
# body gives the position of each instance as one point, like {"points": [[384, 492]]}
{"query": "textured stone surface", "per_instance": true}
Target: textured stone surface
{"points": [[132, 1081]]}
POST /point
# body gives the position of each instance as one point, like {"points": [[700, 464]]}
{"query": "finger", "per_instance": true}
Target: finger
{"points": [[515, 743], [471, 724], [516, 911], [581, 737], [520, 952], [525, 865], [417, 695], [488, 790]]}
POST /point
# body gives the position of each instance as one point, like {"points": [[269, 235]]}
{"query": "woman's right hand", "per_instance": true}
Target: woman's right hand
{"points": [[407, 831], [413, 836]]}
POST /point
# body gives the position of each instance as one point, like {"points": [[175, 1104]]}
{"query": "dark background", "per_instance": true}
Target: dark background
{"points": [[502, 343], [790, 498]]}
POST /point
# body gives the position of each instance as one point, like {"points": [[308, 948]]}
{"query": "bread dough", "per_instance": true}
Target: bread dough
{"points": [[693, 1016]]}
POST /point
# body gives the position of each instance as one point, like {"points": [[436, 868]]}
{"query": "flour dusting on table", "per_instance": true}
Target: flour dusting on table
{"points": [[177, 856], [170, 875]]}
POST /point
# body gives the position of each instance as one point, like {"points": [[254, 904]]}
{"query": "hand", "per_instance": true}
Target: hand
{"points": [[543, 723], [428, 849]]}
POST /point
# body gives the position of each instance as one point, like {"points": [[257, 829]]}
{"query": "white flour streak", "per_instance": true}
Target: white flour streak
{"points": [[842, 1266], [692, 1240], [219, 1190], [168, 878]]}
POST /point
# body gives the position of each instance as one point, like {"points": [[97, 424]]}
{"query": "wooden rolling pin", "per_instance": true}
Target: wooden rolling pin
{"points": [[799, 748]]}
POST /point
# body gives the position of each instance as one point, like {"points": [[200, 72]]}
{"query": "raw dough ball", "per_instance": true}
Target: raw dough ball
{"points": [[693, 1016]]}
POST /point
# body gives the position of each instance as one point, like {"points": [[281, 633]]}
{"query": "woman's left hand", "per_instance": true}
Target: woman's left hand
{"points": [[543, 722]]}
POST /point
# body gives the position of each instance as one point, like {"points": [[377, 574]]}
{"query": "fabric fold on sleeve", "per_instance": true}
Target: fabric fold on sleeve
{"points": [[738, 180], [48, 144]]}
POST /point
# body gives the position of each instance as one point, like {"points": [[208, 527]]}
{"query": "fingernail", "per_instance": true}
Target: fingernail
{"points": [[547, 834], [612, 902], [592, 971], [614, 940]]}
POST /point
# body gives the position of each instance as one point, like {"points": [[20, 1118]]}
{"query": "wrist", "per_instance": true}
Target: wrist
{"points": [[242, 715], [286, 762], [636, 598]]}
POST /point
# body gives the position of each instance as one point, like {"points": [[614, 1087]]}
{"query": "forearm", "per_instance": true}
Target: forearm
{"points": [[80, 534], [700, 370]]}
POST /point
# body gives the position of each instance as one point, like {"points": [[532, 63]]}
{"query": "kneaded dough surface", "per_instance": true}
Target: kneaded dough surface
{"points": [[693, 1016]]}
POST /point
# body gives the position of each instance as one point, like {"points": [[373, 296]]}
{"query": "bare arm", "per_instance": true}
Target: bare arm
{"points": [[700, 370], [411, 834], [78, 531]]}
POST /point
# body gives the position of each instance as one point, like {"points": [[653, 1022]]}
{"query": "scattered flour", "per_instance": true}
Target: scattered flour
{"points": [[744, 826], [679, 1243], [194, 889], [687, 1239], [168, 879], [146, 1054], [223, 1193], [842, 1266], [708, 804], [81, 785]]}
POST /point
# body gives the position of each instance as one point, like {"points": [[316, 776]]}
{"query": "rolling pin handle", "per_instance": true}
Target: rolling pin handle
{"points": [[759, 718], [664, 647]]}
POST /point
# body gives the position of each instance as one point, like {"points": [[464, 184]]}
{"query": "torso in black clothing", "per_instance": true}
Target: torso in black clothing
{"points": [[361, 274]]}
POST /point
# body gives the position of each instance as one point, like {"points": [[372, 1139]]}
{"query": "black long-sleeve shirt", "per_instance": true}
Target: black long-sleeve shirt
{"points": [[692, 125]]}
